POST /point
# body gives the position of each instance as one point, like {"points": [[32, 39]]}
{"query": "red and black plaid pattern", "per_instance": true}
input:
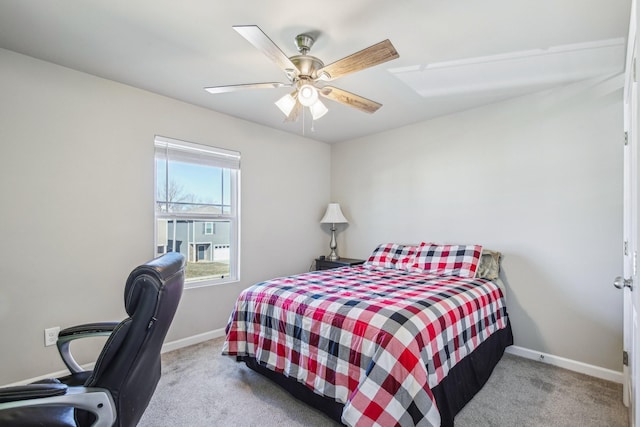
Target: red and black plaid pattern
{"points": [[374, 339], [392, 255], [448, 260]]}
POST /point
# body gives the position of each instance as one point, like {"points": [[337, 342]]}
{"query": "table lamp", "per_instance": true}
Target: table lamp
{"points": [[333, 216]]}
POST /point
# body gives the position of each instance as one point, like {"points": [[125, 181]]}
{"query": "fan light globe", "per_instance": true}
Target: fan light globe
{"points": [[318, 110], [307, 95], [286, 104]]}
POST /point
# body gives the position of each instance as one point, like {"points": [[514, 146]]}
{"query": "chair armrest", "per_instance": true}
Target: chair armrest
{"points": [[76, 332], [88, 329], [31, 391], [95, 400]]}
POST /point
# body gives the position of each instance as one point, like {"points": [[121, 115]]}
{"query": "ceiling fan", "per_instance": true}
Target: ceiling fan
{"points": [[307, 74]]}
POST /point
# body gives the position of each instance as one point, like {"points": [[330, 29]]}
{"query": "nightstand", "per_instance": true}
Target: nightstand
{"points": [[325, 264]]}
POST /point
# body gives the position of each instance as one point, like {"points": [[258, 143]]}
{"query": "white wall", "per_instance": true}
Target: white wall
{"points": [[538, 178], [76, 181]]}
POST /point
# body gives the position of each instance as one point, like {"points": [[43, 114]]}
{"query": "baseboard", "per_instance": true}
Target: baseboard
{"points": [[572, 365], [170, 346], [192, 340]]}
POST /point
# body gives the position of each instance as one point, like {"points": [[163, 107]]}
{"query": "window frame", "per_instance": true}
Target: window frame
{"points": [[169, 149]]}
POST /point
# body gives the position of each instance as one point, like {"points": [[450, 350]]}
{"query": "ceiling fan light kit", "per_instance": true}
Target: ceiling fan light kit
{"points": [[307, 74], [307, 95]]}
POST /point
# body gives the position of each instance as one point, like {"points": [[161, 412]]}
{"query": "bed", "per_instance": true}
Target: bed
{"points": [[405, 339]]}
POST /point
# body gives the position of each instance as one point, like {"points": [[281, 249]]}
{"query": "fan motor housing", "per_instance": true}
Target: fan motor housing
{"points": [[307, 65]]}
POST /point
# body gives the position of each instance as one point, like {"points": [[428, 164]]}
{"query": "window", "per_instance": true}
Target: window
{"points": [[209, 228], [197, 209]]}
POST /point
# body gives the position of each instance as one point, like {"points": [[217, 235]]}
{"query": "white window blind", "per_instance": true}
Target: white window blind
{"points": [[189, 152]]}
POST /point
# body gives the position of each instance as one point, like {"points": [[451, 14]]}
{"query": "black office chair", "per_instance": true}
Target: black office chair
{"points": [[118, 390]]}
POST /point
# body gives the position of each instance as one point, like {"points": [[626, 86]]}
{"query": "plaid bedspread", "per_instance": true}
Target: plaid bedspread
{"points": [[374, 339]]}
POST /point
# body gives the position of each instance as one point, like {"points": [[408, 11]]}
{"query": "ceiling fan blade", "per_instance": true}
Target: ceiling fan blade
{"points": [[262, 42], [350, 99], [293, 115], [373, 55], [235, 88]]}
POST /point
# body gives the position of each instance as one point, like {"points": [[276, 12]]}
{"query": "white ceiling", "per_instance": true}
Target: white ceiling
{"points": [[454, 54]]}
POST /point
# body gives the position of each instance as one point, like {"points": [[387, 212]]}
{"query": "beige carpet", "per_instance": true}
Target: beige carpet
{"points": [[199, 387]]}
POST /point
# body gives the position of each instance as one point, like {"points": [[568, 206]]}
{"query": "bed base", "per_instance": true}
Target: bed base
{"points": [[456, 390]]}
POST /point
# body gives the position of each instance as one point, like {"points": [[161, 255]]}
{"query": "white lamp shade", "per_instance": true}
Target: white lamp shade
{"points": [[333, 215], [318, 110], [286, 104]]}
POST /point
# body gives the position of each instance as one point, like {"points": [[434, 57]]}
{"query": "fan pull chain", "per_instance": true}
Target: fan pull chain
{"points": [[303, 120]]}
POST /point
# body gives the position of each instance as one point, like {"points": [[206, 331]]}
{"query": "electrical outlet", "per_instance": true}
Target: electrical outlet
{"points": [[51, 335]]}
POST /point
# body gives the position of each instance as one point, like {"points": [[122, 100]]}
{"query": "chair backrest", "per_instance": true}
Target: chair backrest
{"points": [[129, 365]]}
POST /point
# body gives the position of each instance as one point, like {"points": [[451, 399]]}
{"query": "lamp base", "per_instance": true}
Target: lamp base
{"points": [[333, 256]]}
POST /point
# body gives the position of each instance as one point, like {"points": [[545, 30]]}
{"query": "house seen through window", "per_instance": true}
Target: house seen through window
{"points": [[196, 208]]}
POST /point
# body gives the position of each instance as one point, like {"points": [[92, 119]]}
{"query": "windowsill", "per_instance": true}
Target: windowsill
{"points": [[206, 284]]}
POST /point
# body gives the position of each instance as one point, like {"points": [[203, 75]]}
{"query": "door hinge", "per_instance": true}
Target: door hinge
{"points": [[626, 138], [626, 248], [625, 358]]}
